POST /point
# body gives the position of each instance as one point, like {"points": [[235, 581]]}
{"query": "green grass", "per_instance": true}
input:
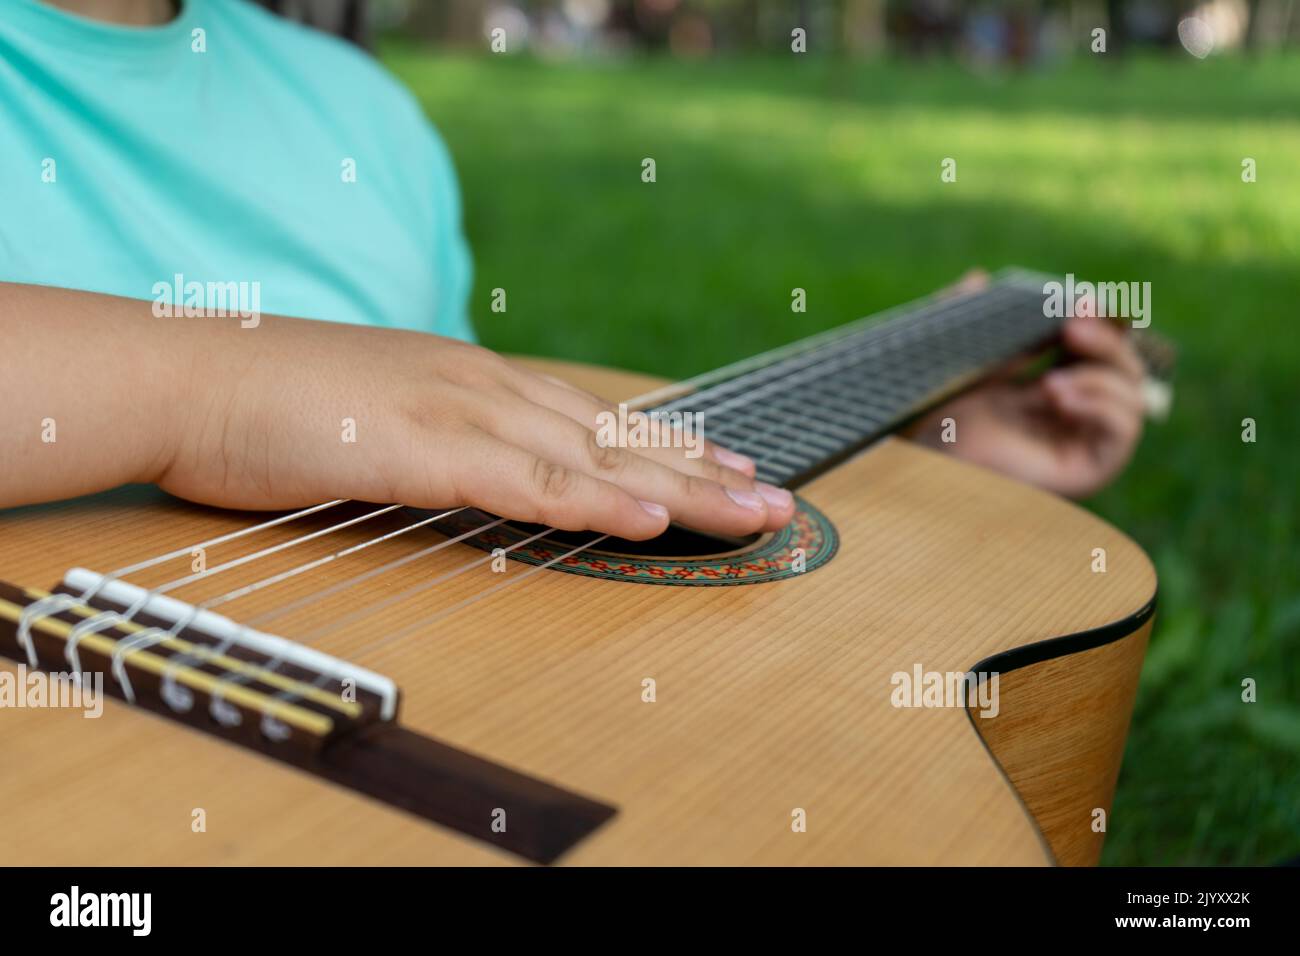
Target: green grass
{"points": [[825, 175]]}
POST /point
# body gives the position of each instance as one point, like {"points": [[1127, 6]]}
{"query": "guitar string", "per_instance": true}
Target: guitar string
{"points": [[1011, 278], [370, 609], [222, 539], [419, 625], [814, 372], [424, 623], [873, 338], [152, 636], [804, 345], [393, 636], [840, 362], [1021, 279], [272, 663], [849, 359], [739, 428], [111, 618], [56, 603], [273, 579], [325, 593], [396, 598], [835, 361], [204, 653], [474, 598]]}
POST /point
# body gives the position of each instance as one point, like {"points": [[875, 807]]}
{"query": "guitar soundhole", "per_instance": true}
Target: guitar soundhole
{"points": [[678, 557], [674, 543]]}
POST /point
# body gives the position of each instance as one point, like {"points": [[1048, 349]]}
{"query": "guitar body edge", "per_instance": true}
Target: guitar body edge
{"points": [[776, 702], [1066, 702], [1059, 737]]}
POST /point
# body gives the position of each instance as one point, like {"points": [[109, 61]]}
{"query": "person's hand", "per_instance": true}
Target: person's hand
{"points": [[296, 412], [1071, 431]]}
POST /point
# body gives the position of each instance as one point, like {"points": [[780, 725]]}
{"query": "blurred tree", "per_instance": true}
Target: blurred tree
{"points": [[456, 22], [863, 26]]}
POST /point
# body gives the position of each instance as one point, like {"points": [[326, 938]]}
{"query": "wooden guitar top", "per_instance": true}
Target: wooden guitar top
{"points": [[770, 698]]}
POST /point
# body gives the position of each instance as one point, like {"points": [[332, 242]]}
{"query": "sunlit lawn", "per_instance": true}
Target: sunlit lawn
{"points": [[823, 175]]}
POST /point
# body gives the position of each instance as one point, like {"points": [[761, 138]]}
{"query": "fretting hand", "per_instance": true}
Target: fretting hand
{"points": [[1071, 431]]}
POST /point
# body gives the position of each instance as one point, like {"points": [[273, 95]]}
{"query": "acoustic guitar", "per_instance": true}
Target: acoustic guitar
{"points": [[931, 664]]}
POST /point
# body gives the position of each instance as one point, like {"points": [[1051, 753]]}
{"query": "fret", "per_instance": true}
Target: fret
{"points": [[779, 473], [775, 464], [807, 437], [776, 459], [814, 403], [778, 453], [766, 422], [767, 446], [767, 450], [858, 416], [773, 456], [876, 338], [833, 433]]}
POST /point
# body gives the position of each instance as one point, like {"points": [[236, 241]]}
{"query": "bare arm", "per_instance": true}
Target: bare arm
{"points": [[293, 412], [91, 388]]}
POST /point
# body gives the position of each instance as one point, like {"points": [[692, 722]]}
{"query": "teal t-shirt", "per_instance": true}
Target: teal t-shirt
{"points": [[226, 146]]}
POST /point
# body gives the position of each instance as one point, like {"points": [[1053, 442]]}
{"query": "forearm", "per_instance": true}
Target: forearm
{"points": [[290, 412], [94, 387]]}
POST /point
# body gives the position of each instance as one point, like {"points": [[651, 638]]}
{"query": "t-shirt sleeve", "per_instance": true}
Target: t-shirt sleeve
{"points": [[453, 265]]}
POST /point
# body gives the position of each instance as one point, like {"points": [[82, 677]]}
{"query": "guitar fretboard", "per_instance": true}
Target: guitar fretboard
{"points": [[812, 405]]}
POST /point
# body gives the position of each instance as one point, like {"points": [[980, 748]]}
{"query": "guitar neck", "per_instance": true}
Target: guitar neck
{"points": [[802, 409]]}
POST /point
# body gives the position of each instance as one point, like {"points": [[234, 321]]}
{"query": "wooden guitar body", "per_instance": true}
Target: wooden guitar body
{"points": [[772, 737]]}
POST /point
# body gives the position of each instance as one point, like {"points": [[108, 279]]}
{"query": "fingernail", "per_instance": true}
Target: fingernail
{"points": [[658, 511], [746, 499], [734, 460], [775, 497]]}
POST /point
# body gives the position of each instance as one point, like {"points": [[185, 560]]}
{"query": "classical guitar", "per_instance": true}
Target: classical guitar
{"points": [[931, 664]]}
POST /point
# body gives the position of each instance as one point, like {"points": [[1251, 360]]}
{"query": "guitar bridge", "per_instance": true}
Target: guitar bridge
{"points": [[282, 699]]}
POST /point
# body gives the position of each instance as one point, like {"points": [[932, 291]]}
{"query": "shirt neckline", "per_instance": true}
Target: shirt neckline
{"points": [[73, 31]]}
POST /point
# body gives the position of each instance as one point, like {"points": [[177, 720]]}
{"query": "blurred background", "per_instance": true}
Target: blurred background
{"points": [[820, 170]]}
